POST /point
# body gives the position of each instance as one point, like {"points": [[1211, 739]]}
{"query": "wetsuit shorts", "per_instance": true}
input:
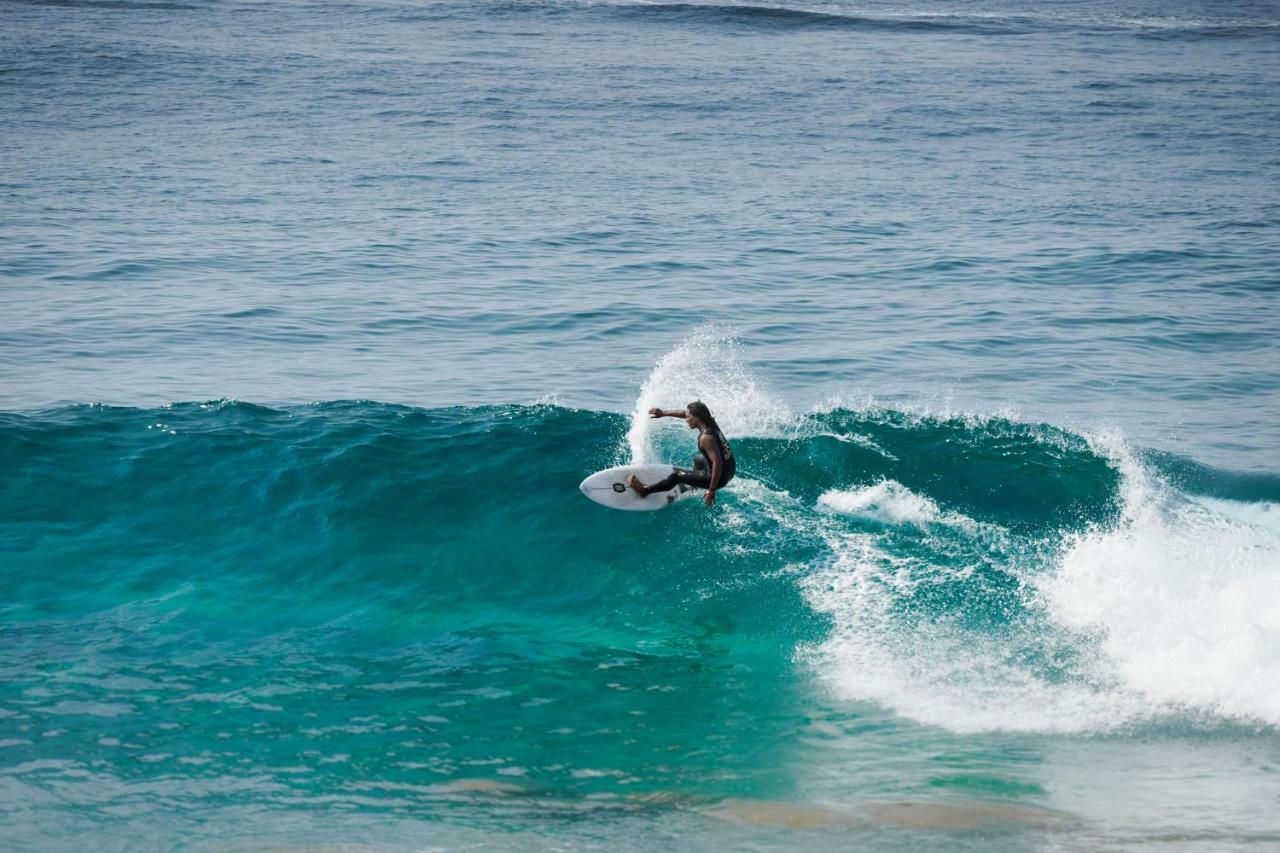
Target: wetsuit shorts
{"points": [[699, 476]]}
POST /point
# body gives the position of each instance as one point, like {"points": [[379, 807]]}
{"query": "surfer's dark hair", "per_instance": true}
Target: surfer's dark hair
{"points": [[700, 411]]}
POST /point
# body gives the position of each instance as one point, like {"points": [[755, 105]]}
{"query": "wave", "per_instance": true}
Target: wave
{"points": [[836, 15], [971, 572], [791, 17], [1014, 20], [1163, 613], [116, 5]]}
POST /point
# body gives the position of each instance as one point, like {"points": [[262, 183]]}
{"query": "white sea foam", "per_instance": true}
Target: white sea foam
{"points": [[1173, 611], [937, 673], [1184, 596], [888, 501]]}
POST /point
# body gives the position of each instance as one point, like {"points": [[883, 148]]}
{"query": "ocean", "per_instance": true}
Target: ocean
{"points": [[315, 315]]}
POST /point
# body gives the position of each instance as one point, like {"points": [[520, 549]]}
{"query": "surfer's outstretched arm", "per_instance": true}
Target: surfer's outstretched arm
{"points": [[655, 412]]}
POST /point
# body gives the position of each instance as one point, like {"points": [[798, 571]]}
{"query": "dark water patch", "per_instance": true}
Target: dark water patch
{"points": [[1254, 30], [581, 238], [789, 19], [292, 161], [961, 131], [113, 5], [1199, 479], [1118, 265], [1103, 85], [661, 266], [386, 325], [249, 313], [1167, 78], [1221, 340], [1244, 225], [381, 179], [1119, 106], [1148, 320], [110, 271]]}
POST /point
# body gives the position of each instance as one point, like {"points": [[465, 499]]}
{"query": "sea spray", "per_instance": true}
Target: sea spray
{"points": [[706, 366], [886, 501]]}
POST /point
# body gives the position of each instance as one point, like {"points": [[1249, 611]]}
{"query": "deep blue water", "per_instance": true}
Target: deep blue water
{"points": [[985, 295]]}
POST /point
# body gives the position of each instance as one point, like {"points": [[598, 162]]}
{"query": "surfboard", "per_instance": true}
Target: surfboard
{"points": [[609, 487]]}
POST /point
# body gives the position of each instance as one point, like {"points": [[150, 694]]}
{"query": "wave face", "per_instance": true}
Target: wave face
{"points": [[389, 606]]}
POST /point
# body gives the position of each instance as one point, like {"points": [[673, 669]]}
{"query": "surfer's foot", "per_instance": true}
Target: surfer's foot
{"points": [[636, 485]]}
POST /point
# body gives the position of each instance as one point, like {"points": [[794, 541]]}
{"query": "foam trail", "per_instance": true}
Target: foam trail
{"points": [[888, 501], [705, 366]]}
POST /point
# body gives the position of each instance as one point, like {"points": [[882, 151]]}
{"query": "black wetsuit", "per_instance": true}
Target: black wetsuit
{"points": [[700, 475]]}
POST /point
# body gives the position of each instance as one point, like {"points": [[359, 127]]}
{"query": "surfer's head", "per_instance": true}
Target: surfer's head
{"points": [[698, 416]]}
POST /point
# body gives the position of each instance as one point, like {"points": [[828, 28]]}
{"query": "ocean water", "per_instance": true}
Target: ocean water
{"points": [[315, 314]]}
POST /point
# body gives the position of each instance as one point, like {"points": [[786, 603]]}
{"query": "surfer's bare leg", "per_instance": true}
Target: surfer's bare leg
{"points": [[637, 486]]}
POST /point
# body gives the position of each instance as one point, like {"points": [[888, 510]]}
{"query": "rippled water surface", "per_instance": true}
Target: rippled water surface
{"points": [[984, 293], [1067, 208]]}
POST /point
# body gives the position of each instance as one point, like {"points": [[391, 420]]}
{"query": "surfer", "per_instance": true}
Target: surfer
{"points": [[712, 467]]}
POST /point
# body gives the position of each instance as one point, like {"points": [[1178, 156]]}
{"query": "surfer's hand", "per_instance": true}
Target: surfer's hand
{"points": [[710, 498], [655, 412]]}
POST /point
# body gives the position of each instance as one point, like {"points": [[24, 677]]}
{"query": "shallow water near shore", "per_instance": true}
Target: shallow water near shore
{"points": [[983, 295]]}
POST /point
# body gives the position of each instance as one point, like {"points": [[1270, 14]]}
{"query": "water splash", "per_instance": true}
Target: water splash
{"points": [[1169, 612], [887, 501], [705, 366], [1184, 598]]}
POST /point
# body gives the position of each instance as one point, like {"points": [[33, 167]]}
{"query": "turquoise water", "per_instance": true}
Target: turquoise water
{"points": [[316, 315], [232, 624]]}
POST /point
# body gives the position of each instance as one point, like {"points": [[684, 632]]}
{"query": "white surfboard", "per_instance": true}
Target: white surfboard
{"points": [[609, 487]]}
